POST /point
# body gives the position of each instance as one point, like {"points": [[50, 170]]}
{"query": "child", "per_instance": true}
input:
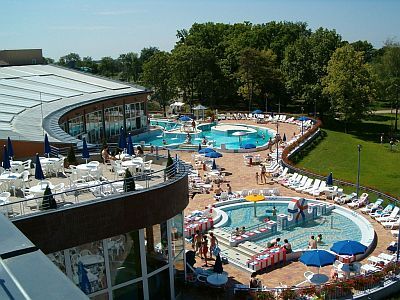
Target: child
{"points": [[257, 176]]}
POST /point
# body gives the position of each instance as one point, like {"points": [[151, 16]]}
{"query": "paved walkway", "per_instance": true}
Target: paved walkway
{"points": [[240, 176]]}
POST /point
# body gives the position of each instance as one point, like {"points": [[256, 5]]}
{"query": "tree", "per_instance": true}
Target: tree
{"points": [[89, 65], [71, 158], [48, 60], [72, 60], [349, 85], [147, 53], [157, 73], [48, 200], [129, 182], [170, 171], [257, 71], [389, 67], [130, 66], [108, 66]]}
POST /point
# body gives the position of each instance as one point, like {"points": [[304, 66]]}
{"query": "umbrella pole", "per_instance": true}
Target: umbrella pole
{"points": [[255, 210]]}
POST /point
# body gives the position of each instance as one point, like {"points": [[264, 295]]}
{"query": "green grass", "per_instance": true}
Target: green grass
{"points": [[337, 153]]}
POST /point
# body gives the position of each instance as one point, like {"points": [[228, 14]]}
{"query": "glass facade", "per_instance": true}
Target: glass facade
{"points": [[76, 126], [135, 265], [101, 124], [94, 126]]}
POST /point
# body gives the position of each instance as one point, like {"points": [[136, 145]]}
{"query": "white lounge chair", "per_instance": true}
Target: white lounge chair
{"points": [[357, 203], [282, 175], [320, 189], [343, 199], [371, 207], [393, 224], [305, 186], [389, 217], [292, 180], [288, 177], [381, 212], [315, 186], [299, 184]]}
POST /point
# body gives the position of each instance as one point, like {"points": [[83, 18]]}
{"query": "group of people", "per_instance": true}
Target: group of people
{"points": [[107, 156], [277, 242], [312, 243], [200, 244], [262, 177], [218, 190]]}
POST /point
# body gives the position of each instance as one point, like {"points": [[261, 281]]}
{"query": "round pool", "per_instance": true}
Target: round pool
{"points": [[340, 224], [221, 135]]}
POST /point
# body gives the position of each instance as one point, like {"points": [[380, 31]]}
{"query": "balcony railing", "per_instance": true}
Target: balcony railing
{"points": [[85, 191]]}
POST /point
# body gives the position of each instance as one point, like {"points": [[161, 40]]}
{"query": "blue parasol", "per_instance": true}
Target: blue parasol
{"points": [[302, 118], [284, 137], [10, 148], [206, 150], [329, 179], [218, 268], [257, 111], [84, 283], [249, 146], [6, 159], [199, 148], [214, 165], [213, 154], [47, 148], [38, 169], [317, 258], [185, 119], [130, 149], [122, 139], [348, 247], [85, 150]]}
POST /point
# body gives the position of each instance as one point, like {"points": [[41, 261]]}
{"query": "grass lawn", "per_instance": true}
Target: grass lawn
{"points": [[337, 153]]}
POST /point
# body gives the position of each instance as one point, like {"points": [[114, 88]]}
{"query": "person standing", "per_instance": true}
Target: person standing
{"points": [[257, 176], [198, 237], [274, 211], [263, 174], [229, 189], [254, 282], [204, 250], [213, 243]]}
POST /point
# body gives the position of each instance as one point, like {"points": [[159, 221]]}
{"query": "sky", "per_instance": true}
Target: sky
{"points": [[99, 28]]}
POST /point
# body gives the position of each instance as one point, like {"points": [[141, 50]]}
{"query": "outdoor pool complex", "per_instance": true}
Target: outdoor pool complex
{"points": [[342, 227], [217, 134]]}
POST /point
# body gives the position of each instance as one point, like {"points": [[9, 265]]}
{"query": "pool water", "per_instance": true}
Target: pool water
{"points": [[259, 138], [341, 228]]}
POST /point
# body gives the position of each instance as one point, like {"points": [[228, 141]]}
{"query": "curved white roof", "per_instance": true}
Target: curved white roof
{"points": [[36, 94]]}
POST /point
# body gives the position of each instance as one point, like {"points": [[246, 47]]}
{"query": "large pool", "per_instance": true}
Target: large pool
{"points": [[218, 135], [333, 227]]}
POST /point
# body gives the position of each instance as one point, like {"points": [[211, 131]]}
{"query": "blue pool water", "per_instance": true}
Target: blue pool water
{"points": [[259, 138], [342, 227]]}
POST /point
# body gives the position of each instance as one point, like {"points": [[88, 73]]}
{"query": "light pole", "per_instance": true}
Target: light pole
{"points": [[277, 141], [358, 171]]}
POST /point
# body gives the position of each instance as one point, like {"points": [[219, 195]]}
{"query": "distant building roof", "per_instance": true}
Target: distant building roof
{"points": [[30, 95]]}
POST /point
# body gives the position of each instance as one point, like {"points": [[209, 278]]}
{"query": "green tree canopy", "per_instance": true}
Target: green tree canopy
{"points": [[349, 85]]}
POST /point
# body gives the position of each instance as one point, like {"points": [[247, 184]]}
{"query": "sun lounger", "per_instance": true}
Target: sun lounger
{"points": [[293, 180], [299, 183], [391, 224], [288, 177], [343, 199], [318, 191], [389, 217], [371, 207], [357, 203], [380, 212], [282, 175], [305, 186], [315, 186]]}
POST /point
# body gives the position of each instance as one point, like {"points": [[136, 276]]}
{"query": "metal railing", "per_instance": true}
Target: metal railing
{"points": [[95, 189]]}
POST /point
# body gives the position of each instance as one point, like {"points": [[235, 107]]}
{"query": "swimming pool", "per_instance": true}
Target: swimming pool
{"points": [[333, 227], [218, 135]]}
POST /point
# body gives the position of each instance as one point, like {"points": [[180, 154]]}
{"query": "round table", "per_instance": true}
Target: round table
{"points": [[217, 279], [49, 160], [88, 260], [10, 176], [39, 189], [318, 279], [86, 167]]}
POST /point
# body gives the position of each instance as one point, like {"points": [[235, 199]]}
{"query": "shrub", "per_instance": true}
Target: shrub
{"points": [[71, 158], [129, 182], [170, 171], [48, 200]]}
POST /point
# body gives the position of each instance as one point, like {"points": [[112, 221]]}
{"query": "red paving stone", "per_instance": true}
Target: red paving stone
{"points": [[243, 177]]}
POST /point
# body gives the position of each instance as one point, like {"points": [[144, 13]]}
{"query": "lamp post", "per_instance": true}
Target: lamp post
{"points": [[358, 171], [277, 141]]}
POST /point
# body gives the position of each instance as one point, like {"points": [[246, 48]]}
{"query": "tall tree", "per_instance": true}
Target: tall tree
{"points": [[71, 60], [390, 74], [130, 66], [108, 66], [157, 73], [147, 53], [349, 85]]}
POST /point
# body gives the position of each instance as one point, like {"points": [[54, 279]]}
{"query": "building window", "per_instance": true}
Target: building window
{"points": [[156, 246], [114, 120], [76, 126], [132, 291], [159, 287], [94, 127], [124, 257]]}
